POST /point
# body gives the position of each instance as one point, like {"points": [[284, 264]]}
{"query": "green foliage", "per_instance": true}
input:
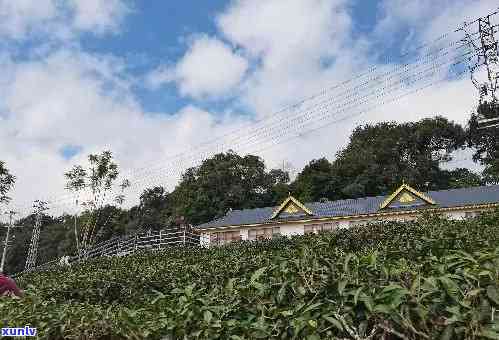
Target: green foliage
{"points": [[430, 279], [379, 157], [464, 178], [375, 162], [6, 183], [486, 143], [222, 182], [154, 210], [98, 179], [316, 181], [56, 240]]}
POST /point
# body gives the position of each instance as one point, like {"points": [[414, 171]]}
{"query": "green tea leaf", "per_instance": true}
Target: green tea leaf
{"points": [[257, 274], [448, 333], [207, 316], [490, 334], [493, 294], [336, 323], [341, 286], [382, 309]]}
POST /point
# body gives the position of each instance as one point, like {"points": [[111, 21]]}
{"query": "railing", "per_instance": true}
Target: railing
{"points": [[125, 245]]}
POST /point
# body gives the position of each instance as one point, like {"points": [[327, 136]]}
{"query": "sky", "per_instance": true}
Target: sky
{"points": [[164, 84]]}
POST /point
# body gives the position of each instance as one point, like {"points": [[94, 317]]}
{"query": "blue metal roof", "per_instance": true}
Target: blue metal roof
{"points": [[360, 206]]}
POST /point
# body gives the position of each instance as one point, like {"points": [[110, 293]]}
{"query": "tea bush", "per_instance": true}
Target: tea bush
{"points": [[429, 279]]}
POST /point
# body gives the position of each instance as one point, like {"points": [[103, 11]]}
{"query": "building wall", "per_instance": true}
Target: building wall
{"points": [[291, 229]]}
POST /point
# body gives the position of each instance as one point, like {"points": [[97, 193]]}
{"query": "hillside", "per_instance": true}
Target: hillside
{"points": [[428, 279]]}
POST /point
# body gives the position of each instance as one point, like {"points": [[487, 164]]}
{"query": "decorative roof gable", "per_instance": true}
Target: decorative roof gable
{"points": [[291, 207], [405, 196]]}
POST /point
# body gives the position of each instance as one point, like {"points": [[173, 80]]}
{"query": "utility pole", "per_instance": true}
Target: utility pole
{"points": [[40, 207], [6, 242], [484, 68], [76, 229]]}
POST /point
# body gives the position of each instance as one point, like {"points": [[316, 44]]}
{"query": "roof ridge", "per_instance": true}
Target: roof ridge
{"points": [[466, 188], [343, 204], [364, 198], [447, 198]]}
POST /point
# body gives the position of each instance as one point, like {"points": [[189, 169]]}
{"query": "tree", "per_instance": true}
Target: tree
{"points": [[486, 144], [154, 210], [6, 183], [280, 186], [464, 178], [316, 181], [225, 181], [97, 182], [56, 240], [380, 157]]}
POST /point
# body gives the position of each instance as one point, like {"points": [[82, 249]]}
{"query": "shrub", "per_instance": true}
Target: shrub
{"points": [[428, 279]]}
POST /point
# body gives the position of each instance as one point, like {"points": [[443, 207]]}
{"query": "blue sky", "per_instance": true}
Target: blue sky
{"points": [[149, 80], [157, 32]]}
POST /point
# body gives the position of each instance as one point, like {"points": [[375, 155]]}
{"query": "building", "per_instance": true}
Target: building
{"points": [[295, 218]]}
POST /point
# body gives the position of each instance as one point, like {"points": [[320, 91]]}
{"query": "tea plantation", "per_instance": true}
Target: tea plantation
{"points": [[430, 279]]}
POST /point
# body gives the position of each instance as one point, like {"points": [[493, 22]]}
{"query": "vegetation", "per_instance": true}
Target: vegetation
{"points": [[375, 161], [99, 179], [378, 158], [6, 183], [430, 279], [223, 182], [486, 144]]}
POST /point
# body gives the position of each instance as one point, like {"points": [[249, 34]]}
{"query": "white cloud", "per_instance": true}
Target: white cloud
{"points": [[209, 68], [295, 48], [283, 29], [98, 16], [160, 76], [21, 19], [290, 40], [426, 20], [74, 98]]}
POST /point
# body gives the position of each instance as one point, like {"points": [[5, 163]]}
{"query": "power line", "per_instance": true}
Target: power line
{"points": [[278, 123], [321, 112], [428, 72], [283, 114], [300, 118], [400, 85]]}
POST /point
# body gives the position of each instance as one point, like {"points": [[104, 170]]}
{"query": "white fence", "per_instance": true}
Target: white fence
{"points": [[125, 245]]}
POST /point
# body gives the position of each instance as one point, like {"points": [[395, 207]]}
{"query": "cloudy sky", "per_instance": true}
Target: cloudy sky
{"points": [[163, 84]]}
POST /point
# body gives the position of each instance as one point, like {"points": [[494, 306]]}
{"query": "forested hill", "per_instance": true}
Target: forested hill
{"points": [[377, 159]]}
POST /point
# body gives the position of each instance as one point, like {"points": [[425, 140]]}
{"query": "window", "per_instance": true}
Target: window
{"points": [[472, 214], [359, 222], [225, 237], [312, 228], [329, 226], [263, 233], [317, 228], [469, 214]]}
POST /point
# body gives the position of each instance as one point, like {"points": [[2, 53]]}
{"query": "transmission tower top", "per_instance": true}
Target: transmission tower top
{"points": [[484, 67]]}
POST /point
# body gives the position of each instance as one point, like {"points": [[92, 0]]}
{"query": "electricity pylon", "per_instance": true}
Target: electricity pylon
{"points": [[39, 207], [484, 68]]}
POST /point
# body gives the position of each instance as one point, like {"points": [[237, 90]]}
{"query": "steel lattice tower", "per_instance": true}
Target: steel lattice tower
{"points": [[484, 67], [40, 207]]}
